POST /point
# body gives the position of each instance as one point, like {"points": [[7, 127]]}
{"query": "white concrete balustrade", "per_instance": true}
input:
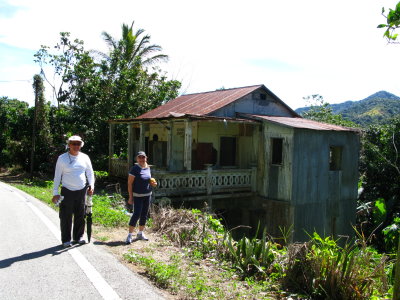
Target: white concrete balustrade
{"points": [[196, 182]]}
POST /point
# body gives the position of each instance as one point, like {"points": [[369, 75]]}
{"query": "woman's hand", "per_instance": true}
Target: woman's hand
{"points": [[130, 201], [153, 182]]}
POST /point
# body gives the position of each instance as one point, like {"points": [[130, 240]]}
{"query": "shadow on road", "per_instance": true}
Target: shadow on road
{"points": [[110, 244], [56, 250]]}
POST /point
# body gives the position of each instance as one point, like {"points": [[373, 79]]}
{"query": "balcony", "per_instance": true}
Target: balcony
{"points": [[197, 184]]}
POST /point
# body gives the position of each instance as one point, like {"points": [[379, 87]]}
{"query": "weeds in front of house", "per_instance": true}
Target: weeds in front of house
{"points": [[165, 275], [322, 269], [318, 269]]}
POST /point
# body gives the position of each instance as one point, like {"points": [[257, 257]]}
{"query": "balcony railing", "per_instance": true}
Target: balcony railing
{"points": [[196, 182]]}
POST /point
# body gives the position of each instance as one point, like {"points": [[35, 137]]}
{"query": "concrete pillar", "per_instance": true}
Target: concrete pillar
{"points": [[253, 179], [209, 188], [187, 152]]}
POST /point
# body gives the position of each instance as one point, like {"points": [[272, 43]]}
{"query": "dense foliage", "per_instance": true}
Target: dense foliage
{"points": [[15, 138], [380, 170]]}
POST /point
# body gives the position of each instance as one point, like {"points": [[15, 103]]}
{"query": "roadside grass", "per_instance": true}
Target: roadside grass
{"points": [[205, 262], [108, 210]]}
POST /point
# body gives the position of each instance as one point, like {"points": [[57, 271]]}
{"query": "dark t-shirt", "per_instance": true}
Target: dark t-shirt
{"points": [[141, 184]]}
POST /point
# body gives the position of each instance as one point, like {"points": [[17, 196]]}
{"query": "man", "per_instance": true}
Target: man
{"points": [[74, 171]]}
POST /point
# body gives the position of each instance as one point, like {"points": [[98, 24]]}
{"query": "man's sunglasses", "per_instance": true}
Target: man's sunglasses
{"points": [[75, 144]]}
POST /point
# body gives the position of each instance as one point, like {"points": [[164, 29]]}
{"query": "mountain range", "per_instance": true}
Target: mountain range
{"points": [[378, 108]]}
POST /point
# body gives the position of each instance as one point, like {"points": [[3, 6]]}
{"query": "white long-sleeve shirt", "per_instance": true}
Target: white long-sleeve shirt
{"points": [[73, 172]]}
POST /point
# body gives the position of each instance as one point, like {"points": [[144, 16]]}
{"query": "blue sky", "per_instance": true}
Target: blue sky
{"points": [[295, 48]]}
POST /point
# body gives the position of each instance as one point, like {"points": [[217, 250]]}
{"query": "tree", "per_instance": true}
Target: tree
{"points": [[124, 84], [392, 23], [67, 54], [16, 132], [41, 137], [321, 111], [133, 48]]}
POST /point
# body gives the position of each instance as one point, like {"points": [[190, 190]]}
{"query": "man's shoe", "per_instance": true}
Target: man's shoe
{"points": [[80, 242], [141, 236], [128, 239], [66, 244]]}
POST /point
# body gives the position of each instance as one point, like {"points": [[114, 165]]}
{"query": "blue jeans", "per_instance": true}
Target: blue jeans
{"points": [[140, 210]]}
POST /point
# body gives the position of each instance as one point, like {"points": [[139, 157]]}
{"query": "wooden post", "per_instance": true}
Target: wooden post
{"points": [[396, 287], [169, 145], [187, 152], [110, 146], [141, 138], [209, 187], [131, 154]]}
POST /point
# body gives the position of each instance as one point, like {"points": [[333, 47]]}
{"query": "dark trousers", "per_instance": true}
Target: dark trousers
{"points": [[140, 210], [72, 205]]}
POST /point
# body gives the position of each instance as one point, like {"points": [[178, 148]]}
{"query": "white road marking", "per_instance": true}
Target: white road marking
{"points": [[105, 290]]}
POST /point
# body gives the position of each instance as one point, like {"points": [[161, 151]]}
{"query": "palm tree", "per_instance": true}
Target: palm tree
{"points": [[133, 47]]}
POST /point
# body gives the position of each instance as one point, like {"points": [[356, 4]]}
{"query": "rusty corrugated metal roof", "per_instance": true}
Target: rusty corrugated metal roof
{"points": [[199, 103], [301, 123]]}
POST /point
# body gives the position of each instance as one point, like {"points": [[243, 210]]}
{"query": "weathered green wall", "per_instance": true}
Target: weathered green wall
{"points": [[324, 200]]}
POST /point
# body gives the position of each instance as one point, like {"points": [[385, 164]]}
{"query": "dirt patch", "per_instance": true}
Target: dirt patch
{"points": [[12, 177]]}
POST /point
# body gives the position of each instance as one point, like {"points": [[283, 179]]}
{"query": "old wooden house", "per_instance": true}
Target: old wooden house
{"points": [[251, 158]]}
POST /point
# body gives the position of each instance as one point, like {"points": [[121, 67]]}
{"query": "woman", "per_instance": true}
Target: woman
{"points": [[139, 189]]}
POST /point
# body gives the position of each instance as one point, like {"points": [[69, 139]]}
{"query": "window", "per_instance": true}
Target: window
{"points": [[335, 158], [227, 153], [277, 151]]}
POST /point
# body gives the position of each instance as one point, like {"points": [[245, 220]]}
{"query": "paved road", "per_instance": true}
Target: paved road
{"points": [[33, 265]]}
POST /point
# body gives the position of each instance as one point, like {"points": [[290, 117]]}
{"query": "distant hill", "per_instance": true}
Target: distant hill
{"points": [[378, 108]]}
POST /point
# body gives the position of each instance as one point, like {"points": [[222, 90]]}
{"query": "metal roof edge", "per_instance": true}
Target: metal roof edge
{"points": [[181, 117], [260, 117]]}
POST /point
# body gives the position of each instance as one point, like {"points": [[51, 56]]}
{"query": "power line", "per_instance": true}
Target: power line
{"points": [[5, 81]]}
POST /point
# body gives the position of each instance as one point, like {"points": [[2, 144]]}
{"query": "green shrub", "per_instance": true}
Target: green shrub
{"points": [[322, 269], [251, 257]]}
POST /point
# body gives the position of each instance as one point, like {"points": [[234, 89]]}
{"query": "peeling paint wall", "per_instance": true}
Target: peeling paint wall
{"points": [[277, 178]]}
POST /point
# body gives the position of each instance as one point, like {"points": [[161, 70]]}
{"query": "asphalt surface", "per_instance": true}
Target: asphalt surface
{"points": [[33, 265]]}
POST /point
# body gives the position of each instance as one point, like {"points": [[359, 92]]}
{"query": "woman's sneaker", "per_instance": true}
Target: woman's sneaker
{"points": [[128, 239], [141, 236]]}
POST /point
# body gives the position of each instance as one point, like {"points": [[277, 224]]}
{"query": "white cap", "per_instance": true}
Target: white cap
{"points": [[75, 138]]}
